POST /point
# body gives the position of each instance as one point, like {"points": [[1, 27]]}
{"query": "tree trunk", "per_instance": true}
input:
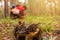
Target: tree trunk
{"points": [[55, 8], [35, 7], [6, 8]]}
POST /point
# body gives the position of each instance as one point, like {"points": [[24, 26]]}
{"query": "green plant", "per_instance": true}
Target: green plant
{"points": [[48, 27]]}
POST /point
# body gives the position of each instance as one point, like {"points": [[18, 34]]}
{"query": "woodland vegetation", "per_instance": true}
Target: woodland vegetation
{"points": [[45, 12]]}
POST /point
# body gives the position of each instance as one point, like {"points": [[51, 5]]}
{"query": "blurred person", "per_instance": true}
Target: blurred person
{"points": [[14, 12], [22, 8]]}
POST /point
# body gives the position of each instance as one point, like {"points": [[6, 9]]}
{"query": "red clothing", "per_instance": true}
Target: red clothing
{"points": [[21, 8]]}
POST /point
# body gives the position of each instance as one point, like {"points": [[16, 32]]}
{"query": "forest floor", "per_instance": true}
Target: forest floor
{"points": [[6, 33]]}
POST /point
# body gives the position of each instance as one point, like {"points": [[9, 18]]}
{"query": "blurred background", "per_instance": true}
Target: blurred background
{"points": [[40, 7]]}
